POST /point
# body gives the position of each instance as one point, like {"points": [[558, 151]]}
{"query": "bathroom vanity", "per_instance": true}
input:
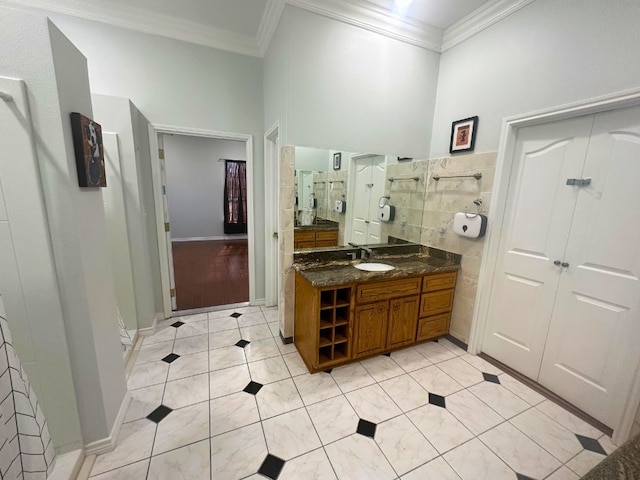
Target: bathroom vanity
{"points": [[320, 235], [344, 314]]}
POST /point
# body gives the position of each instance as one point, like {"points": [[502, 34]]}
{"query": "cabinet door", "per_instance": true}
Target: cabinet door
{"points": [[371, 328], [403, 318]]}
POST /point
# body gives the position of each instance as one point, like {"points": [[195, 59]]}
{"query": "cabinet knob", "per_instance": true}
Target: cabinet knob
{"points": [[565, 264], [557, 263]]}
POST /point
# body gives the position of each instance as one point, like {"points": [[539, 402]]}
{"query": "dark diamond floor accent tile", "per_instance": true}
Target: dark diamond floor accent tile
{"points": [[177, 324], [253, 388], [591, 444], [328, 370], [271, 467], [520, 476], [159, 414], [235, 315], [488, 377], [437, 400], [172, 357], [388, 354], [366, 428], [242, 343]]}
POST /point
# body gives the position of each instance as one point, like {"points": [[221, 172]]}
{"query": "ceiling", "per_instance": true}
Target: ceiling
{"points": [[246, 26]]}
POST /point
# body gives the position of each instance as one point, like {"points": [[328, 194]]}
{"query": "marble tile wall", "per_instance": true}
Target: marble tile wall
{"points": [[443, 199], [332, 186], [287, 196], [408, 197]]}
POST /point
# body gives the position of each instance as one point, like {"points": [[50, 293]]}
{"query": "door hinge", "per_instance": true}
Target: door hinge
{"points": [[579, 182], [161, 153], [167, 227], [173, 292]]}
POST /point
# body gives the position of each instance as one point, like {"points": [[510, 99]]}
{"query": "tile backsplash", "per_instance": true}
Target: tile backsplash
{"points": [[443, 199]]}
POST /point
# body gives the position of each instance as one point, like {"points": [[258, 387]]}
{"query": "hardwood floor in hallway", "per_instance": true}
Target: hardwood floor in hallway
{"points": [[210, 273]]}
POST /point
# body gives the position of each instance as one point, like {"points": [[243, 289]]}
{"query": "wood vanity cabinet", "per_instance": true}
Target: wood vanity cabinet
{"points": [[334, 325], [314, 238]]}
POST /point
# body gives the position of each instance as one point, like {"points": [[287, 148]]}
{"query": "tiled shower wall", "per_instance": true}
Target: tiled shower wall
{"points": [[408, 197], [443, 199], [26, 450]]}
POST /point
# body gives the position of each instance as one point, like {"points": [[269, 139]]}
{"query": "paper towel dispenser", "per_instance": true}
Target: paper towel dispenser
{"points": [[386, 213], [471, 225]]}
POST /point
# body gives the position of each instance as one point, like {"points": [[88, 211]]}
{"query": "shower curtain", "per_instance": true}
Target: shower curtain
{"points": [[26, 450], [235, 196]]}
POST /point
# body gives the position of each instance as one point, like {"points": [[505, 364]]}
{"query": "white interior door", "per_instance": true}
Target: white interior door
{"points": [[592, 347], [369, 186], [167, 221], [534, 235]]}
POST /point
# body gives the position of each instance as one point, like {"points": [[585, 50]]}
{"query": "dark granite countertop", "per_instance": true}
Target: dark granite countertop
{"points": [[335, 272], [324, 225]]}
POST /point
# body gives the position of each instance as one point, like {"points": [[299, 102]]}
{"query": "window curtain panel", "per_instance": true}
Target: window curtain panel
{"points": [[235, 197]]}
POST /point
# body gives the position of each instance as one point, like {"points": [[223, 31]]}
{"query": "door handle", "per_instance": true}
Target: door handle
{"points": [[565, 264], [557, 263], [275, 234]]}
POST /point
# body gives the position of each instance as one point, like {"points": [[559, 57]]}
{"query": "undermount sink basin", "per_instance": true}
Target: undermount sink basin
{"points": [[374, 267]]}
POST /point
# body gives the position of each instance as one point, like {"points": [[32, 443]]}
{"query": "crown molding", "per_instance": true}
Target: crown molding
{"points": [[375, 19], [480, 19], [270, 18], [147, 22]]}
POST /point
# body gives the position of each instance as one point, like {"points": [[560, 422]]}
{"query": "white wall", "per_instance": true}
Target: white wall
{"points": [[179, 84], [28, 282], [337, 86], [78, 233], [549, 53], [313, 159], [78, 302], [195, 183], [348, 88], [118, 115]]}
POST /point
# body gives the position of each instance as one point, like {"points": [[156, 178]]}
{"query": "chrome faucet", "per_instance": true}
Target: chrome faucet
{"points": [[365, 252]]}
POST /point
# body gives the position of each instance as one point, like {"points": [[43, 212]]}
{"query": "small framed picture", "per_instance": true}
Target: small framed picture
{"points": [[463, 135], [87, 143], [337, 160]]}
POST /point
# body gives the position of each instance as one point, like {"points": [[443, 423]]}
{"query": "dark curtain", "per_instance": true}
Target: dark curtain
{"points": [[235, 197]]}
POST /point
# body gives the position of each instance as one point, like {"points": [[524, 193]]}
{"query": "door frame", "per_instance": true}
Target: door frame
{"points": [[154, 130], [506, 152], [272, 209]]}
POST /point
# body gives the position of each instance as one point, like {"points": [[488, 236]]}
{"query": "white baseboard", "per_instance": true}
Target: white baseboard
{"points": [[258, 302], [67, 465], [239, 236], [145, 332], [106, 445]]}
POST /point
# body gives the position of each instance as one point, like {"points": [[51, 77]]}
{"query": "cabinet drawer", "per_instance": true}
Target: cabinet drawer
{"points": [[379, 291], [440, 281], [436, 302], [325, 235], [297, 245], [432, 327], [304, 236]]}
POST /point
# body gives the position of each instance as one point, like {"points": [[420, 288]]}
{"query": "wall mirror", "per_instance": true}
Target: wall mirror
{"points": [[338, 197]]}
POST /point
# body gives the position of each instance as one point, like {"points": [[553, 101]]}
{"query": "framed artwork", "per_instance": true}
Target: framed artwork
{"points": [[87, 143], [337, 160], [463, 135]]}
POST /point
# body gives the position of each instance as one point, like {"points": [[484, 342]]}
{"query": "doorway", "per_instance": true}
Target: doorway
{"points": [[563, 251], [202, 184], [368, 188]]}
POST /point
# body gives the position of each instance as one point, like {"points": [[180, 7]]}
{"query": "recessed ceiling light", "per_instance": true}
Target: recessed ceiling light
{"points": [[403, 3]]}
